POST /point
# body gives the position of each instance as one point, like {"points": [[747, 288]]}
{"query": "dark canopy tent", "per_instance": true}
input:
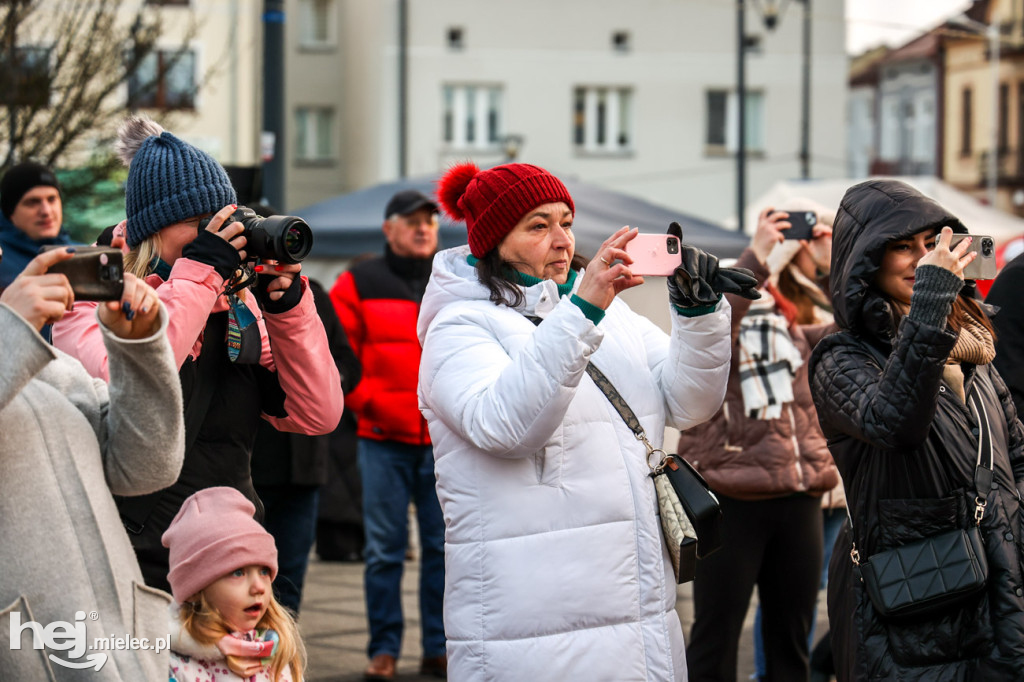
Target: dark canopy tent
{"points": [[349, 225]]}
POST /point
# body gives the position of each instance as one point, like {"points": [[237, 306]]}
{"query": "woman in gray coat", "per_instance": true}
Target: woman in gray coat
{"points": [[69, 585]]}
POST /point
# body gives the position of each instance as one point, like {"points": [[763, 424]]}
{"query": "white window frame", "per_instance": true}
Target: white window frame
{"points": [[755, 142], [314, 134], [309, 22], [603, 119], [473, 116]]}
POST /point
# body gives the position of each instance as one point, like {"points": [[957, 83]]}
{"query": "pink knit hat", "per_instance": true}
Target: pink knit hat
{"points": [[492, 201], [214, 533]]}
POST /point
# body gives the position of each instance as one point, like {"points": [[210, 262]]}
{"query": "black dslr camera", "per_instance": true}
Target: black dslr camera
{"points": [[283, 238]]}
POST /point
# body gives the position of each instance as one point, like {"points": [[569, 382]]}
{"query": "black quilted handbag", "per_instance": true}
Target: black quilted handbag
{"points": [[927, 576], [939, 572]]}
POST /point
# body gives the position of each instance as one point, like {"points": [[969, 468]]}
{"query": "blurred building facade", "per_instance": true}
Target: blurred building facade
{"points": [[938, 105], [639, 97]]}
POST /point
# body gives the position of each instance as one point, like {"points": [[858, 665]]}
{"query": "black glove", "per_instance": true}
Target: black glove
{"points": [[210, 249], [698, 281], [291, 298]]}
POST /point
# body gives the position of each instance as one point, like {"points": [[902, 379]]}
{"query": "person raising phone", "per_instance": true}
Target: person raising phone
{"points": [[907, 396], [765, 458], [70, 442], [555, 564], [243, 353]]}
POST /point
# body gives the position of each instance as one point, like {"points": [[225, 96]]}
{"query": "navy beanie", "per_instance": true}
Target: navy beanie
{"points": [[21, 178], [169, 180]]}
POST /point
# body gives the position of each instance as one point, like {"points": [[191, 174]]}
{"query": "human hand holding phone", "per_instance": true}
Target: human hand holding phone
{"points": [[136, 314], [38, 296]]}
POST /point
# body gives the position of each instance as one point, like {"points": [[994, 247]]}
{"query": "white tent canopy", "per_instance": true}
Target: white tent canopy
{"points": [[979, 218]]}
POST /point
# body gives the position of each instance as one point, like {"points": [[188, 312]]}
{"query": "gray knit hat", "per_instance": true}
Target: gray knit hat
{"points": [[169, 180]]}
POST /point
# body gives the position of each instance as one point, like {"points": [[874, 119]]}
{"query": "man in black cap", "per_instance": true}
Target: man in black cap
{"points": [[378, 302], [32, 216]]}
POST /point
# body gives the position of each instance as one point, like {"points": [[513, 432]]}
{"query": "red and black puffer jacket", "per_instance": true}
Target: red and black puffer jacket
{"points": [[378, 302]]}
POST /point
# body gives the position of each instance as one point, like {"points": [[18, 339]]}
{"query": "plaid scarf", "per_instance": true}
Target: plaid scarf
{"points": [[768, 360]]}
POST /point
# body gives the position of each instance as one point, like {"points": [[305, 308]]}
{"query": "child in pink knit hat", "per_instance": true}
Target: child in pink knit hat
{"points": [[222, 563]]}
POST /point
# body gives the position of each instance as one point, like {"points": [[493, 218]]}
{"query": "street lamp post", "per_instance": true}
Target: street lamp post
{"points": [[992, 31], [741, 105], [770, 11]]}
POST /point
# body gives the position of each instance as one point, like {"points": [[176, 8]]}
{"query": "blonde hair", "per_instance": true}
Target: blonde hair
{"points": [[138, 259], [207, 626]]}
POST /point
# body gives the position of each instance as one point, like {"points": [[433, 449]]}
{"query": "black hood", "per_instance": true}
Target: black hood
{"points": [[872, 214]]}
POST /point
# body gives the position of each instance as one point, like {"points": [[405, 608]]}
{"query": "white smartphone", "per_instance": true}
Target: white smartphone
{"points": [[654, 254], [984, 265]]}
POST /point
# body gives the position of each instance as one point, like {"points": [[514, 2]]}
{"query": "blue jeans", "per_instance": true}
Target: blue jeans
{"points": [[290, 516], [395, 474], [832, 522]]}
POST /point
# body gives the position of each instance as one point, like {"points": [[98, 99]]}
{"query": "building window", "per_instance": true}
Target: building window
{"points": [[922, 142], [472, 116], [316, 23], [164, 79], [313, 126], [965, 123], [26, 81], [620, 41], [723, 121], [455, 38], [602, 119]]}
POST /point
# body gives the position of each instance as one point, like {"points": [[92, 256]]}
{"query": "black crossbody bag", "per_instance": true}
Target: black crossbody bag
{"points": [[939, 572]]}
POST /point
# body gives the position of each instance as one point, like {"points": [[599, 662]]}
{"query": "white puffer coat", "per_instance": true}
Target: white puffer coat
{"points": [[555, 566]]}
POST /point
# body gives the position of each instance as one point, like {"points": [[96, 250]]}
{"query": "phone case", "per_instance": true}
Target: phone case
{"points": [[96, 273], [984, 265], [803, 223], [654, 254]]}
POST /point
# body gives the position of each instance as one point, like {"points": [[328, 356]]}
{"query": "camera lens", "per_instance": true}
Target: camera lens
{"points": [[987, 247], [673, 245]]}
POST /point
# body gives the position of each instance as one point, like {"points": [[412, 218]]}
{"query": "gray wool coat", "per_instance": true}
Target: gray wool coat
{"points": [[67, 442]]}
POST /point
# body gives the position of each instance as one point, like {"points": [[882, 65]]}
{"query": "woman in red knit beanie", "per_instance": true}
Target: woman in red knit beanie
{"points": [[555, 566]]}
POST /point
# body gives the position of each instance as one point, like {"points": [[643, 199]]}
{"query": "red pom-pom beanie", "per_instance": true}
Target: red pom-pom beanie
{"points": [[492, 201]]}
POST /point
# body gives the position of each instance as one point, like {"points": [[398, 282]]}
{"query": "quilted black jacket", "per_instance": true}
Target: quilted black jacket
{"points": [[906, 447]]}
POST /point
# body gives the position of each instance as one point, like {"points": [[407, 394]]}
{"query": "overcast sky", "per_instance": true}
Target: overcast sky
{"points": [[893, 22]]}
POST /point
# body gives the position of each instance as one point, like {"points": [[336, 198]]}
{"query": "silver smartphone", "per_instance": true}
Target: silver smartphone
{"points": [[984, 265]]}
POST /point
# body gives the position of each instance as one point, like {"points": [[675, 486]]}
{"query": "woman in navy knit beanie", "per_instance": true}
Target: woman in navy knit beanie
{"points": [[241, 354]]}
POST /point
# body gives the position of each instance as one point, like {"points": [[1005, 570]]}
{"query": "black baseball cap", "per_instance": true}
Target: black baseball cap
{"points": [[408, 201]]}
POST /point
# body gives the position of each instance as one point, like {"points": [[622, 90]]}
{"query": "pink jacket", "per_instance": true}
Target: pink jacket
{"points": [[294, 343]]}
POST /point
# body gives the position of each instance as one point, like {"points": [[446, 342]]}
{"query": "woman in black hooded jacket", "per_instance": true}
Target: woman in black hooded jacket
{"points": [[892, 389]]}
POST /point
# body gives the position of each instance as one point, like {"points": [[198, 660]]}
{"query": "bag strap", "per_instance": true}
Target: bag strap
{"points": [[982, 470], [624, 410]]}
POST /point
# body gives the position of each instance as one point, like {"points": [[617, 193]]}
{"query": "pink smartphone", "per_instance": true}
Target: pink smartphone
{"points": [[654, 254]]}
